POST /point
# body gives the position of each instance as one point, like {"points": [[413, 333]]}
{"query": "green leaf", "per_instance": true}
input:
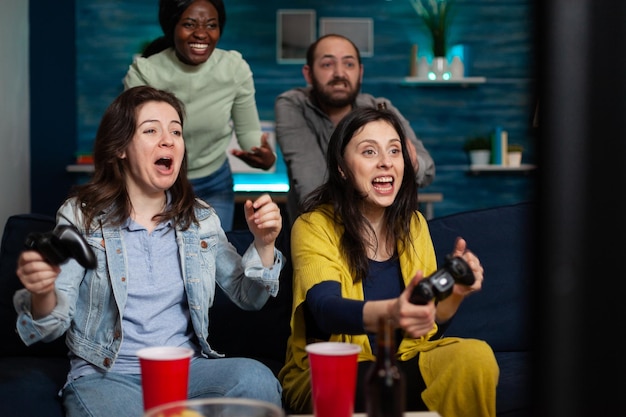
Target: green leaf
{"points": [[436, 16]]}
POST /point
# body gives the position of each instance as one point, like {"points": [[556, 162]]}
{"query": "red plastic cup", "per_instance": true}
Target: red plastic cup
{"points": [[333, 370], [164, 374]]}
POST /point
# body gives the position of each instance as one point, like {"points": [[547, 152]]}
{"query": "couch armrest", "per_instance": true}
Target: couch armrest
{"points": [[15, 231], [29, 386]]}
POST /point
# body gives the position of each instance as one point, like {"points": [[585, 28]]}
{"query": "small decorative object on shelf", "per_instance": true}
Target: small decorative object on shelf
{"points": [[422, 69], [457, 69], [514, 155], [478, 150], [439, 70], [499, 144]]}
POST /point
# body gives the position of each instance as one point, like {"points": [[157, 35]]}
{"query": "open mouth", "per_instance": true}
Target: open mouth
{"points": [[339, 83], [199, 46], [383, 183], [165, 162]]}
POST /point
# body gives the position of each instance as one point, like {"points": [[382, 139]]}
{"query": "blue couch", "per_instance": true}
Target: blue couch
{"points": [[30, 377]]}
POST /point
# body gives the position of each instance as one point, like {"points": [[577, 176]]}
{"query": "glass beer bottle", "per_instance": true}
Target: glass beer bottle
{"points": [[385, 383]]}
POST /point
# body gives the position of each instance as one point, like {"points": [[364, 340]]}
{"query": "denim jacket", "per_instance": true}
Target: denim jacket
{"points": [[90, 303]]}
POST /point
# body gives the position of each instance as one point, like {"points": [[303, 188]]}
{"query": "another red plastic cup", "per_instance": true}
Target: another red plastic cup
{"points": [[164, 374], [333, 377]]}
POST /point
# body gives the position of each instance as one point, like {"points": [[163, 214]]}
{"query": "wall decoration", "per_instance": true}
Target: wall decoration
{"points": [[295, 31], [358, 30]]}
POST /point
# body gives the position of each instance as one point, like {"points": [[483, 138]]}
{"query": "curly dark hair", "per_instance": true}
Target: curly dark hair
{"points": [[340, 191], [107, 188]]}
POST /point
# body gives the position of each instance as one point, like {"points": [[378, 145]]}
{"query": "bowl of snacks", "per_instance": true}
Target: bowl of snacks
{"points": [[216, 407]]}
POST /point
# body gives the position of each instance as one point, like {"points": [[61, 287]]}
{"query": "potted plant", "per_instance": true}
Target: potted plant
{"points": [[514, 155], [437, 17], [478, 149]]}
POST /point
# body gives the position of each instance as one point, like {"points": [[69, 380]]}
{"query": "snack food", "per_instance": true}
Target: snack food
{"points": [[184, 413]]}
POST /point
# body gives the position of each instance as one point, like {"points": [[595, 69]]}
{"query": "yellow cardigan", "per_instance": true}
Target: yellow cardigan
{"points": [[316, 257]]}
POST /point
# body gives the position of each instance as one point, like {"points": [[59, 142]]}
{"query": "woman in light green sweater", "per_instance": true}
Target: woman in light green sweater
{"points": [[218, 91]]}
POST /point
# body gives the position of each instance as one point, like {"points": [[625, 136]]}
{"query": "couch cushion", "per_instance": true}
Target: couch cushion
{"points": [[15, 231], [262, 334], [29, 386], [258, 334], [501, 238], [513, 396]]}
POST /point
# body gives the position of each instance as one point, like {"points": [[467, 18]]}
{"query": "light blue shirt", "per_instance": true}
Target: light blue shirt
{"points": [[156, 312]]}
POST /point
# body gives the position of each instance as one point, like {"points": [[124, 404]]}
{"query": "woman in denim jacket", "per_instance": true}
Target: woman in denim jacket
{"points": [[160, 252]]}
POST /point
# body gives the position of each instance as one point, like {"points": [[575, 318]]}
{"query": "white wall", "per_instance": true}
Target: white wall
{"points": [[14, 109]]}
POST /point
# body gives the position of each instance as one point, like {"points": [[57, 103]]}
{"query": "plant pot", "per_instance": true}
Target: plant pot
{"points": [[479, 157], [439, 67], [514, 159]]}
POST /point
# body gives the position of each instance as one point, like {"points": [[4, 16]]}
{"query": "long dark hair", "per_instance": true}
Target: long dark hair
{"points": [[107, 188], [340, 191], [170, 12]]}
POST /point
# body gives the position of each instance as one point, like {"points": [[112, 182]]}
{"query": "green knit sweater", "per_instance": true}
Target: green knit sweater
{"points": [[219, 95]]}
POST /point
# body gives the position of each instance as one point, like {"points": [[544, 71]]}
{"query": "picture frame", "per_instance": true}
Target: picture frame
{"points": [[358, 30], [295, 31]]}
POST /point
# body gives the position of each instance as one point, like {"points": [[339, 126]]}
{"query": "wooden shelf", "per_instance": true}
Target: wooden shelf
{"points": [[457, 82], [478, 169], [87, 168]]}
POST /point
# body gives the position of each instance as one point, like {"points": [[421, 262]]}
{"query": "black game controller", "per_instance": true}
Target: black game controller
{"points": [[439, 284], [61, 243]]}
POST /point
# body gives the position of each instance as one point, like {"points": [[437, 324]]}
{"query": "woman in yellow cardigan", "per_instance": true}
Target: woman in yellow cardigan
{"points": [[358, 250]]}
